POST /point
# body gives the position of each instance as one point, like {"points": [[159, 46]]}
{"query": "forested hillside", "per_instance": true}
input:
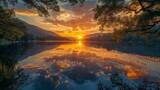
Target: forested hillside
{"points": [[10, 30], [13, 29]]}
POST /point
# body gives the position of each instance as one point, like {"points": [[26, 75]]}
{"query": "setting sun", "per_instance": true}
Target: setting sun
{"points": [[80, 37]]}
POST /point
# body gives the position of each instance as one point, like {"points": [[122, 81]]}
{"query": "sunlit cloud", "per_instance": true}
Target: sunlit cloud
{"points": [[71, 21], [27, 12], [83, 22]]}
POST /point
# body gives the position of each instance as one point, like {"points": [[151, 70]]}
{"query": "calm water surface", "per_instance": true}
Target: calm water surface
{"points": [[81, 65]]}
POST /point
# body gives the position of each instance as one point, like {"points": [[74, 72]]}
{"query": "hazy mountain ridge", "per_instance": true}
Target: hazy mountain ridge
{"points": [[40, 33], [33, 32], [99, 37]]}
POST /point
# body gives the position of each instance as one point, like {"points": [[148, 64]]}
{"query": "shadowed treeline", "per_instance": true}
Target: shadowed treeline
{"points": [[150, 49], [11, 77]]}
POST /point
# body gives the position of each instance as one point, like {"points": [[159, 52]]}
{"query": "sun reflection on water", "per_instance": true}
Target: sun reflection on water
{"points": [[80, 43], [80, 37]]}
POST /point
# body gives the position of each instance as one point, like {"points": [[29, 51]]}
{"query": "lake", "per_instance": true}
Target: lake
{"points": [[83, 65]]}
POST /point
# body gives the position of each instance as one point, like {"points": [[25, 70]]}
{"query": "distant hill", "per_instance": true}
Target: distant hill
{"points": [[99, 37], [38, 31], [42, 34]]}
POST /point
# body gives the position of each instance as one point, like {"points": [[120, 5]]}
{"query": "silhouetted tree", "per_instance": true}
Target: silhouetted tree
{"points": [[128, 17], [42, 6]]}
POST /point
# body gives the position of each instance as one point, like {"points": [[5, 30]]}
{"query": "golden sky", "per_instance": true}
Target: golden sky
{"points": [[71, 21]]}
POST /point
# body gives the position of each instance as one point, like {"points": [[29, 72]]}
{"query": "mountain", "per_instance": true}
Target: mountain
{"points": [[32, 32], [42, 34], [99, 37], [36, 31]]}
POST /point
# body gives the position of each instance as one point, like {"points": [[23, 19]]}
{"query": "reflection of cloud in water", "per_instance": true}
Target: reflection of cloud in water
{"points": [[134, 73], [43, 83], [80, 74], [75, 65], [94, 64]]}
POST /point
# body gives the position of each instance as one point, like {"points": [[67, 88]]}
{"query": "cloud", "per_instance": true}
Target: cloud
{"points": [[76, 17], [82, 22], [70, 21], [26, 12]]}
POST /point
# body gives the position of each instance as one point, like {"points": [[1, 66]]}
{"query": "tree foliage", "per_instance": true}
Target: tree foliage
{"points": [[128, 17], [43, 6], [10, 29], [118, 10]]}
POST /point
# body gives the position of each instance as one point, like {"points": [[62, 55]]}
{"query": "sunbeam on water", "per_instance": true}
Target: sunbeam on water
{"points": [[80, 43], [80, 37]]}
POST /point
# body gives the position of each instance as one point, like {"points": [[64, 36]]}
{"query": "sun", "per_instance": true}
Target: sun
{"points": [[80, 37]]}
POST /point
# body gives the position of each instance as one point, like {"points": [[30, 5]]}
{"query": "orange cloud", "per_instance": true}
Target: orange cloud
{"points": [[27, 12], [82, 22], [134, 73], [76, 17], [69, 22]]}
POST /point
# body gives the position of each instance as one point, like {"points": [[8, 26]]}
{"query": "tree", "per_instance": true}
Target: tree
{"points": [[6, 15], [127, 18], [9, 28], [42, 6]]}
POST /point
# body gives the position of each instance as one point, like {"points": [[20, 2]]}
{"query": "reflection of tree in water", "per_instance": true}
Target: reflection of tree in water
{"points": [[140, 48], [10, 77], [121, 82], [9, 54]]}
